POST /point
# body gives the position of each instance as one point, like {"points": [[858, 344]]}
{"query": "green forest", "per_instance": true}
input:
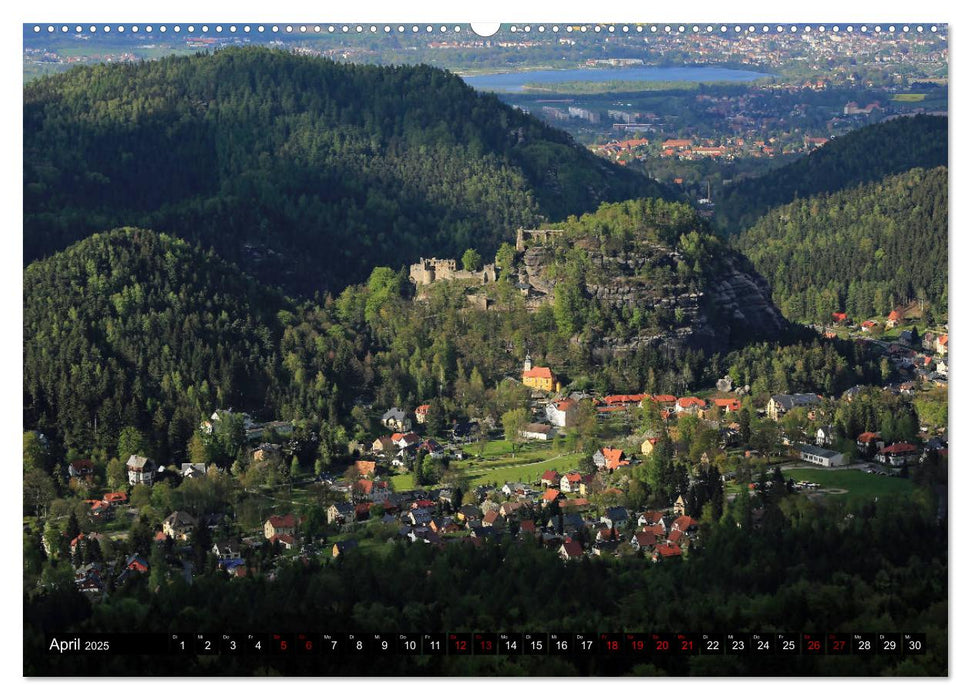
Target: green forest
{"points": [[863, 250], [305, 172], [138, 329], [866, 155]]}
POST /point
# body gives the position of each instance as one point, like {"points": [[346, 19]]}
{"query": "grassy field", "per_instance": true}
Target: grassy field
{"points": [[500, 464], [526, 473], [858, 484], [909, 97], [495, 448], [403, 482]]}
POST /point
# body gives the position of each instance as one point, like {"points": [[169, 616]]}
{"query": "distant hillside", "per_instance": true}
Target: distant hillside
{"points": [[306, 172], [862, 250], [137, 328], [866, 155]]}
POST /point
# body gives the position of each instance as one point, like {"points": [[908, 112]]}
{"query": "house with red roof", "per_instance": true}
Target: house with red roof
{"points": [[643, 541], [676, 143], [839, 317], [606, 534], [136, 563], [609, 459], [658, 531], [666, 551], [685, 523], [76, 541], [624, 400], [551, 495], [650, 517], [571, 549], [575, 503], [528, 527], [286, 541], [940, 345], [98, 508], [728, 405], [898, 454], [894, 318], [493, 519], [868, 443], [280, 525], [689, 404], [676, 537], [405, 440], [372, 491], [562, 413], [575, 482], [421, 413]]}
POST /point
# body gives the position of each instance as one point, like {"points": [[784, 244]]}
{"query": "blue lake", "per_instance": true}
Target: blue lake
{"points": [[514, 82]]}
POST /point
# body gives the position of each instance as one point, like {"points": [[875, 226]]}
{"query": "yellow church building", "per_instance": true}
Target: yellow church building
{"points": [[539, 377]]}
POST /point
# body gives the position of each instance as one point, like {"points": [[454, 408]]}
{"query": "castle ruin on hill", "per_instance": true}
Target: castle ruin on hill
{"points": [[429, 270], [536, 236]]}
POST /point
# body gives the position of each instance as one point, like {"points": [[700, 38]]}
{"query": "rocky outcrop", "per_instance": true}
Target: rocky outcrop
{"points": [[535, 260], [742, 302], [723, 306]]}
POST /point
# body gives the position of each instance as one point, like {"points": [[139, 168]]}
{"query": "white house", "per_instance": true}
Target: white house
{"points": [[539, 431], [141, 470], [562, 413], [820, 456]]}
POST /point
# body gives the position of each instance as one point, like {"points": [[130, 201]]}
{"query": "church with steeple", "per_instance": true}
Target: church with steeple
{"points": [[539, 377]]}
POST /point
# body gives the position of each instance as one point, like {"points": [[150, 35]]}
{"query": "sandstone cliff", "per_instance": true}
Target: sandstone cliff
{"points": [[644, 297]]}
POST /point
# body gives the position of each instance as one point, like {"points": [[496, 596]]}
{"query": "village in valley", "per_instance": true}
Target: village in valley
{"points": [[564, 470]]}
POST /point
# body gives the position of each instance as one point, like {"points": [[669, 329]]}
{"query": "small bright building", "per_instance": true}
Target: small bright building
{"points": [[820, 456], [540, 378]]}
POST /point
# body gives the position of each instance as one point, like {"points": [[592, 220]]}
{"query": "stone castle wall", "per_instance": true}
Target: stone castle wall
{"points": [[538, 236], [429, 270]]}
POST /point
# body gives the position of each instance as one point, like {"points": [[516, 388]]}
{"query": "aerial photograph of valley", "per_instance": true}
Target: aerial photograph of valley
{"points": [[396, 350]]}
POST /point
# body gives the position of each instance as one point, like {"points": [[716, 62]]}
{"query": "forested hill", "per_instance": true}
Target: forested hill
{"points": [[862, 250], [307, 172], [137, 328], [866, 155]]}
